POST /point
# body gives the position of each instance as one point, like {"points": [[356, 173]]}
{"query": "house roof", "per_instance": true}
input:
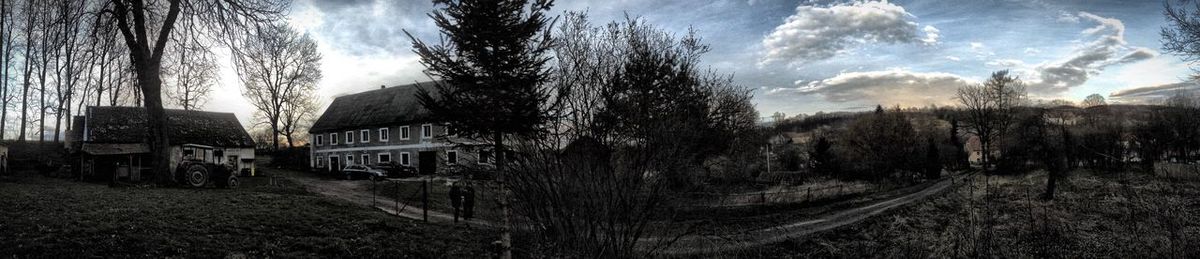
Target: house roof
{"points": [[375, 108], [125, 125]]}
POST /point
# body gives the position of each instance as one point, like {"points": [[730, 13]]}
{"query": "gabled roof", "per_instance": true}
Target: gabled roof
{"points": [[124, 125], [376, 108]]}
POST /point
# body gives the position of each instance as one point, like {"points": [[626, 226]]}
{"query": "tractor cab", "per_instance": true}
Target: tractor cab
{"points": [[199, 164]]}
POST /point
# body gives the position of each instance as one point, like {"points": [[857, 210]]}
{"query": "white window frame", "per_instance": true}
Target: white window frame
{"points": [[405, 134], [333, 139], [379, 159], [455, 152], [350, 137], [320, 162], [405, 158], [385, 134], [364, 138], [349, 161], [320, 139], [366, 159], [447, 129], [425, 134]]}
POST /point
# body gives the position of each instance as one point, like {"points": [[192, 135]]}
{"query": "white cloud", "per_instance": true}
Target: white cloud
{"points": [[1032, 51], [953, 58], [1086, 60], [888, 87], [816, 33], [931, 35]]}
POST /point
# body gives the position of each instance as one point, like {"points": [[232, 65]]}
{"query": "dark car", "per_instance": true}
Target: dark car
{"points": [[362, 171], [396, 170]]}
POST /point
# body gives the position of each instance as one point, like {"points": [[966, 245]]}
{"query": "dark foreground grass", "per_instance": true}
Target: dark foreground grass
{"points": [[54, 218], [1127, 215]]}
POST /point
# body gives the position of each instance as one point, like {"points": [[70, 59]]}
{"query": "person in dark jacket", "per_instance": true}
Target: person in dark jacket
{"points": [[455, 199], [468, 195]]}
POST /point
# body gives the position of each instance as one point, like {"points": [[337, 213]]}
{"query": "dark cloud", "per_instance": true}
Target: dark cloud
{"points": [[1154, 94], [894, 87]]}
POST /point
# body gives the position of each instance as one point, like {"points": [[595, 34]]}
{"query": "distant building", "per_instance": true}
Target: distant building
{"points": [[111, 142], [386, 125]]}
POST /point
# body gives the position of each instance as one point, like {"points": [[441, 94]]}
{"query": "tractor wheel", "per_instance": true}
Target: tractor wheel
{"points": [[197, 176], [233, 182]]}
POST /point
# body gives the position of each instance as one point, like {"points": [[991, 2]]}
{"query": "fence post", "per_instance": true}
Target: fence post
{"points": [[809, 196], [396, 185], [425, 200]]}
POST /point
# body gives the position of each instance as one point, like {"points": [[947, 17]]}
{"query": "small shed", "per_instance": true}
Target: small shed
{"points": [[111, 142]]}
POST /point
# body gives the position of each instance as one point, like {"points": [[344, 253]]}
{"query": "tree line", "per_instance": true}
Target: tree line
{"points": [[58, 57]]}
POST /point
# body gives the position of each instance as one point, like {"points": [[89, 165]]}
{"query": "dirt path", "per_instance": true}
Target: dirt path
{"points": [[706, 244], [349, 190], [686, 245]]}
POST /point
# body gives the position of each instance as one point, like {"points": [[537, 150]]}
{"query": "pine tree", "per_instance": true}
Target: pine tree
{"points": [[490, 71]]}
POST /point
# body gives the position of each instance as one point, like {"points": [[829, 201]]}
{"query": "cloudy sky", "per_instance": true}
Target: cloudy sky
{"points": [[809, 56]]}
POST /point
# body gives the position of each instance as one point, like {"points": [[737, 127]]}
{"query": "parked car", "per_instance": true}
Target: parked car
{"points": [[394, 170], [362, 171]]}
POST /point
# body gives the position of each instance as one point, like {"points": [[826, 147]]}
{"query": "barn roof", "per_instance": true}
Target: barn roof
{"points": [[117, 125], [376, 108]]}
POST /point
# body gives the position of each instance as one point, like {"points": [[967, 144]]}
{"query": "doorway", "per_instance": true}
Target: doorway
{"points": [[427, 162]]}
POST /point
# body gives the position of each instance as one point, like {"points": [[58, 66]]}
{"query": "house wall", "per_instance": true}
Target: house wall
{"points": [[394, 147]]}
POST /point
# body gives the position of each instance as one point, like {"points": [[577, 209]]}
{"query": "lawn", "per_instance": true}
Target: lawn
{"points": [[1122, 215], [44, 217]]}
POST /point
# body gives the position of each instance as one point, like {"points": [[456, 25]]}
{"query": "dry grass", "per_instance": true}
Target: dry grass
{"points": [[1110, 215], [52, 218]]}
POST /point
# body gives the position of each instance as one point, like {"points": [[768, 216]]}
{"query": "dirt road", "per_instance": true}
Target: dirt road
{"points": [[706, 244]]}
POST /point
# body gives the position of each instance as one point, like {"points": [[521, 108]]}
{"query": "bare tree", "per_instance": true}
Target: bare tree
{"points": [[297, 116], [989, 108], [1181, 35], [7, 23], [280, 70], [193, 76], [1093, 100], [28, 29], [148, 25]]}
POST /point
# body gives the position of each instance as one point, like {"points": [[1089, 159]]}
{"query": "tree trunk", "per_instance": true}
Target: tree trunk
{"points": [[275, 134], [506, 225], [156, 121]]}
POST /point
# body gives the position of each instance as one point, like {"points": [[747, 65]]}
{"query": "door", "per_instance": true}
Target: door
{"points": [[333, 164], [427, 162]]}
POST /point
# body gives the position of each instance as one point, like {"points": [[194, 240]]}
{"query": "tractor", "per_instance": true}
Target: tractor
{"points": [[201, 164]]}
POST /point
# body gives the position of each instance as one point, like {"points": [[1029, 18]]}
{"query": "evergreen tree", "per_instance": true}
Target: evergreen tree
{"points": [[491, 72]]}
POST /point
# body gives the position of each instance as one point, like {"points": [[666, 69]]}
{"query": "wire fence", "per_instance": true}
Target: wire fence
{"points": [[1177, 170], [788, 196]]}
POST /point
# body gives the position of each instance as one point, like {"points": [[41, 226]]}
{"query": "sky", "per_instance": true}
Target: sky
{"points": [[808, 56]]}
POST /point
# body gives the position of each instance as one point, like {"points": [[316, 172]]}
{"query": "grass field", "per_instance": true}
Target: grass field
{"points": [[439, 196], [54, 218], [1107, 215]]}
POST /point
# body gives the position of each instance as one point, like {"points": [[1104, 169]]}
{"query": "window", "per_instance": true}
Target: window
{"points": [[426, 131], [333, 138], [320, 161], [366, 159], [384, 135], [364, 136], [450, 131], [403, 132], [485, 157], [404, 158], [385, 158], [320, 139], [349, 160], [451, 157], [349, 137]]}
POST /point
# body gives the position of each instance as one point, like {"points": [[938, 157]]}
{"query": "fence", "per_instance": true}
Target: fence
{"points": [[401, 200], [1177, 170], [788, 196]]}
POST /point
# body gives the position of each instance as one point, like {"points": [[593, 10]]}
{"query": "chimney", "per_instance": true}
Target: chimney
{"points": [[382, 86]]}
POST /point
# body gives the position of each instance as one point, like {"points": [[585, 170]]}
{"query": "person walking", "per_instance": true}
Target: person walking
{"points": [[455, 199]]}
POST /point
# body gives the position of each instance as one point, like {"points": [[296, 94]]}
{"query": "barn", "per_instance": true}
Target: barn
{"points": [[110, 143]]}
